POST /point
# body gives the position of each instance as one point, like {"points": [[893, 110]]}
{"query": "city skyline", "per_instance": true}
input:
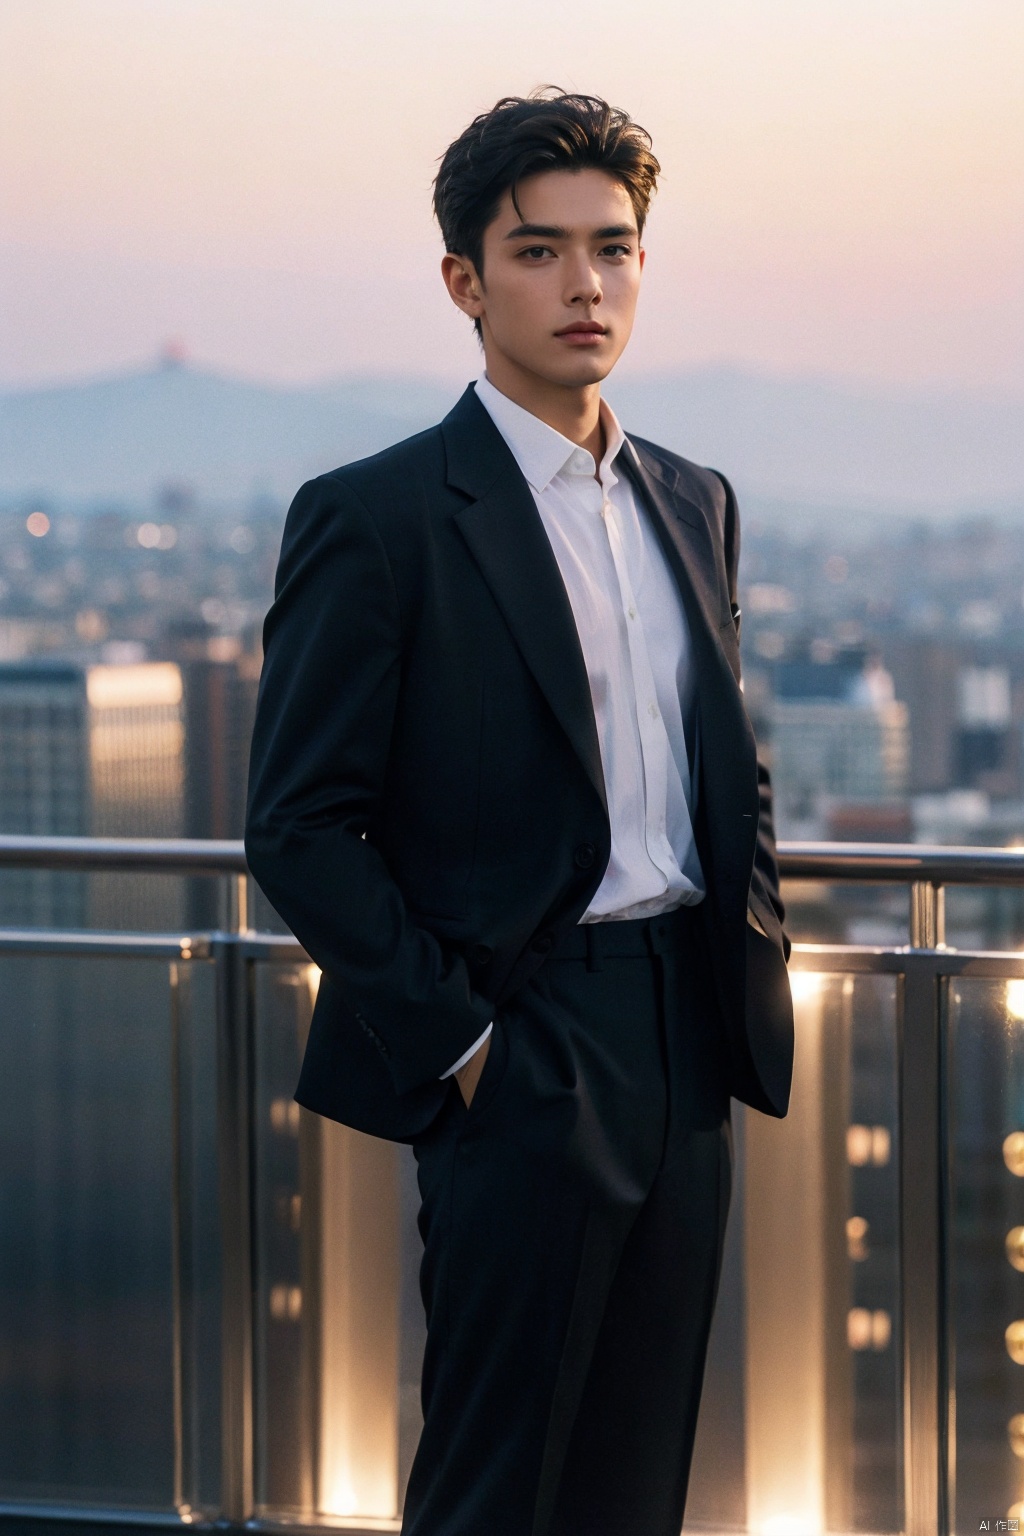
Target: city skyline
{"points": [[840, 194]]}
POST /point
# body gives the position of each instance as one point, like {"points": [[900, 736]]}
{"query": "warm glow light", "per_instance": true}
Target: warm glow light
{"points": [[286, 1303], [285, 1117], [1015, 1342], [805, 984], [38, 524], [150, 682], [1015, 1247], [1015, 999], [856, 1239], [868, 1144], [1015, 1433], [313, 975], [1013, 1153], [342, 1498], [789, 1525], [868, 1330]]}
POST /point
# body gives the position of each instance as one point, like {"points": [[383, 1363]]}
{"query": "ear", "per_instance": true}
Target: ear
{"points": [[463, 284]]}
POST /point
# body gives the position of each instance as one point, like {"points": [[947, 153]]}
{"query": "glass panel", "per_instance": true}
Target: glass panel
{"points": [[846, 913], [977, 917], [90, 1163], [197, 1277], [820, 1249], [338, 1323], [987, 1248], [804, 1344], [985, 917]]}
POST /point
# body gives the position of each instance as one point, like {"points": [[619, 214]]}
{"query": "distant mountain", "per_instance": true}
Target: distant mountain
{"points": [[786, 443]]}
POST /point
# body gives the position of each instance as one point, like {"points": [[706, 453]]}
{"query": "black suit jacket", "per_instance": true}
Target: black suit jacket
{"points": [[426, 803]]}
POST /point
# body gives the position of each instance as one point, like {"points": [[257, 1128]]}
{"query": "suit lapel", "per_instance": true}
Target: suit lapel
{"points": [[683, 530], [502, 527], [727, 749]]}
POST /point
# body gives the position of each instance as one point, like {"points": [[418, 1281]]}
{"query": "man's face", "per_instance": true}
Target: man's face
{"points": [[559, 285]]}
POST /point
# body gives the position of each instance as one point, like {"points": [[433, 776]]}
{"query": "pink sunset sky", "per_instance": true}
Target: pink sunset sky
{"points": [[843, 185]]}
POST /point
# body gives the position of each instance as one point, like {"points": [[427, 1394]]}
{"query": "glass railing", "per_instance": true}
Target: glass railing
{"points": [[208, 1298]]}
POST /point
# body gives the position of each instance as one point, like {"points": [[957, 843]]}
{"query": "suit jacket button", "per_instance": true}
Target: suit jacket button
{"points": [[481, 955], [584, 855], [543, 943]]}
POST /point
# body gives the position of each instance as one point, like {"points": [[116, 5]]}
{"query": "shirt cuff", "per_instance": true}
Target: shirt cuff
{"points": [[468, 1056]]}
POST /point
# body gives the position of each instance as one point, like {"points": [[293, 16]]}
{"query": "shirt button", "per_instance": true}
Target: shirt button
{"points": [[632, 612], [652, 710], [584, 855]]}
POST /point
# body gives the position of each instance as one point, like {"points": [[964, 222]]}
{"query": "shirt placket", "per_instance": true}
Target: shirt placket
{"points": [[651, 730]]}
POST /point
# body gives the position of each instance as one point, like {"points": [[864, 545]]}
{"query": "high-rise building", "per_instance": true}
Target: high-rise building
{"points": [[220, 680], [838, 734], [89, 751]]}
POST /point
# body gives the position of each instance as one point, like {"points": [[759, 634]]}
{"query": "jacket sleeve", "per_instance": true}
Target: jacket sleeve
{"points": [[765, 879], [322, 736]]}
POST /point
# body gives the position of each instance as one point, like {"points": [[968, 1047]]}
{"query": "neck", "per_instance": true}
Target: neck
{"points": [[573, 410]]}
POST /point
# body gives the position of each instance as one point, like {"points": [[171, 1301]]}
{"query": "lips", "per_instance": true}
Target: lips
{"points": [[582, 328]]}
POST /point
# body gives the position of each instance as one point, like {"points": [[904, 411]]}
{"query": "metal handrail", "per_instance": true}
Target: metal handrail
{"points": [[184, 856], [868, 863], [901, 863]]}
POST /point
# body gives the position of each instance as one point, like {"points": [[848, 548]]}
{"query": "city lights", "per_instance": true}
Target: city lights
{"points": [[157, 535], [38, 524]]}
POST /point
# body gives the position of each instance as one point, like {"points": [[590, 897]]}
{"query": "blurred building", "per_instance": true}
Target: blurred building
{"points": [[88, 751], [924, 672], [987, 743], [838, 734], [220, 681]]}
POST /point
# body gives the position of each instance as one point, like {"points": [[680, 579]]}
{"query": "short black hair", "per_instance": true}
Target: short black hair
{"points": [[549, 130]]}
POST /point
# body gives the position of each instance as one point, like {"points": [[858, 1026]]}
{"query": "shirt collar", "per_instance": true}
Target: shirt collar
{"points": [[540, 451]]}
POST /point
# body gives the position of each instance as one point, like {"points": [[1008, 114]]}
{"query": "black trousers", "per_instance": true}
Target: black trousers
{"points": [[573, 1220]]}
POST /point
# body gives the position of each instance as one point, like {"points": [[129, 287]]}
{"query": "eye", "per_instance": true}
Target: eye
{"points": [[616, 250], [536, 252]]}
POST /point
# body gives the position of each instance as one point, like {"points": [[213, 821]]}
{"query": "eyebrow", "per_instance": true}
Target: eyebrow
{"points": [[559, 232]]}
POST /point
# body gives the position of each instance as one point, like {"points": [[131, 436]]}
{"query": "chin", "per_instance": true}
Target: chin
{"points": [[577, 371]]}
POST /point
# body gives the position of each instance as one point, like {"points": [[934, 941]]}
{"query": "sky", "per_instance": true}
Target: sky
{"points": [[843, 186]]}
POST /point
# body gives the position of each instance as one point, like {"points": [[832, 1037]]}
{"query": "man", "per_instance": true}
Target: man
{"points": [[505, 792]]}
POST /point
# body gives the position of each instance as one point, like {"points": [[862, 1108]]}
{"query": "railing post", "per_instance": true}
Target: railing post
{"points": [[238, 903], [923, 1199], [927, 915], [234, 1129]]}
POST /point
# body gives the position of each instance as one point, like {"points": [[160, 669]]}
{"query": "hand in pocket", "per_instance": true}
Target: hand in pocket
{"points": [[469, 1076]]}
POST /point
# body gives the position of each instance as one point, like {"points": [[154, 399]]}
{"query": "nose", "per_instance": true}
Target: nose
{"points": [[584, 284]]}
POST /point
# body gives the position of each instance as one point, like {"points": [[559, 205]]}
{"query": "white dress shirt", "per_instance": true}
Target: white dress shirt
{"points": [[636, 647]]}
